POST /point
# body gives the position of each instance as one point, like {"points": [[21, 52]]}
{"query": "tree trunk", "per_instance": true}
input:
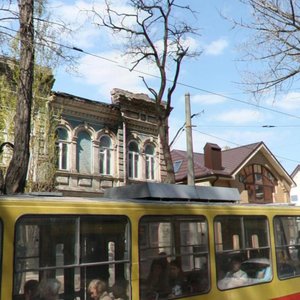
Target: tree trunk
{"points": [[163, 131], [15, 179]]}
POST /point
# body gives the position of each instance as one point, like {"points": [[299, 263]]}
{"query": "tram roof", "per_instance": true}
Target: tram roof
{"points": [[173, 192]]}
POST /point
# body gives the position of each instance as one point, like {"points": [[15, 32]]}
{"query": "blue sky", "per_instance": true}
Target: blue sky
{"points": [[227, 115]]}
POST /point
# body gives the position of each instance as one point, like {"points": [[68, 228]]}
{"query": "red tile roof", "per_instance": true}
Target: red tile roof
{"points": [[232, 159]]}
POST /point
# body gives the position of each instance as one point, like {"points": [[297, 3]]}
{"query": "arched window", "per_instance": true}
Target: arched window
{"points": [[105, 155], [150, 162], [133, 160], [62, 149], [259, 182], [84, 152]]}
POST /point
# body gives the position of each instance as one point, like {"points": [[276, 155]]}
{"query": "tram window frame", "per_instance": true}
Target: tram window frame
{"points": [[192, 254], [86, 239], [244, 241], [287, 245]]}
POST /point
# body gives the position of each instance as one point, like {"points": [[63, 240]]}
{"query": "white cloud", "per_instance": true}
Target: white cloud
{"points": [[216, 47], [241, 116], [207, 99], [289, 101], [192, 44], [77, 17], [112, 73], [244, 137]]}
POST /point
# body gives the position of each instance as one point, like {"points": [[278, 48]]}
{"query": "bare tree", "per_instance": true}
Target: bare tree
{"points": [[30, 50], [275, 45], [154, 33], [15, 179]]}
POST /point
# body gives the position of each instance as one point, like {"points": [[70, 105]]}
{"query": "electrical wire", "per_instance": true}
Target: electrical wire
{"points": [[189, 86], [77, 49], [239, 145]]}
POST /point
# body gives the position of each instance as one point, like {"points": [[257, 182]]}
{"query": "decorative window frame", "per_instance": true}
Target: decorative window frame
{"points": [[150, 162], [133, 162], [63, 149], [108, 153]]}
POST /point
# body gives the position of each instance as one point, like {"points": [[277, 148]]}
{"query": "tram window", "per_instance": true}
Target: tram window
{"points": [[287, 241], [173, 241], [74, 250], [242, 247]]}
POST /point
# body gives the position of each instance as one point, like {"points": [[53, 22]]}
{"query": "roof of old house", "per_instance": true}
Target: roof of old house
{"points": [[81, 100], [117, 96], [295, 172], [232, 161]]}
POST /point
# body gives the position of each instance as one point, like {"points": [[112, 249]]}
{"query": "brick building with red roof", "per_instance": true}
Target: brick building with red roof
{"points": [[253, 169]]}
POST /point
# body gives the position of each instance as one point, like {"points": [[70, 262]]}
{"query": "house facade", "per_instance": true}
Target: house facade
{"points": [[295, 191], [252, 169], [102, 145]]}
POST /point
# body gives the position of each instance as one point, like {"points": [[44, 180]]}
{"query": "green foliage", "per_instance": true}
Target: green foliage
{"points": [[42, 144], [42, 166], [41, 176], [7, 109]]}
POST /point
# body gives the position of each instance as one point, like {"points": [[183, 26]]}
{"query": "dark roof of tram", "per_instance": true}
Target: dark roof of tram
{"points": [[173, 192]]}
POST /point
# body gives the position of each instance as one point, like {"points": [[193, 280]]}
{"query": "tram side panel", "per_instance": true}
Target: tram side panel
{"points": [[196, 244]]}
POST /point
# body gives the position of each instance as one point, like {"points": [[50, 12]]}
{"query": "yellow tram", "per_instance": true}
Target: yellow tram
{"points": [[203, 231]]}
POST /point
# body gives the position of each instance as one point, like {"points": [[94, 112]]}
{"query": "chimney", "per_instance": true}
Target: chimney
{"points": [[212, 157]]}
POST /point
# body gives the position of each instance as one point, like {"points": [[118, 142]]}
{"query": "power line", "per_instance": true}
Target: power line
{"points": [[250, 126], [186, 85], [77, 49], [239, 145], [182, 84], [203, 90]]}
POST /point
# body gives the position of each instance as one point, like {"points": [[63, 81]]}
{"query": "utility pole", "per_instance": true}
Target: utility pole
{"points": [[189, 141]]}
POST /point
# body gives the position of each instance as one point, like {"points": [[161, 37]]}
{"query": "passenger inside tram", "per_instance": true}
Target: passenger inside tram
{"points": [[157, 281], [48, 289], [30, 289], [119, 290], [235, 276], [98, 290], [177, 281]]}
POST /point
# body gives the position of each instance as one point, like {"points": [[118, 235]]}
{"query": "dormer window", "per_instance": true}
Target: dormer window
{"points": [[177, 165]]}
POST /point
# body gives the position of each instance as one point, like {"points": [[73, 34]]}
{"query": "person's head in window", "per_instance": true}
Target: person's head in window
{"points": [[176, 278], [98, 290], [49, 289], [157, 280], [30, 289], [235, 268], [235, 264], [119, 290], [175, 269]]}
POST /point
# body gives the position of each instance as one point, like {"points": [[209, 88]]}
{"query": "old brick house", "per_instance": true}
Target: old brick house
{"points": [[103, 145]]}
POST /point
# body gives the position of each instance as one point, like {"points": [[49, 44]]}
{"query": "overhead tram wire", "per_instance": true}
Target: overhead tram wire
{"points": [[203, 90], [250, 126], [183, 84], [238, 145], [156, 76]]}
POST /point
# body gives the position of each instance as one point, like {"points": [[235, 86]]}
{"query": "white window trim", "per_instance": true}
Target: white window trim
{"points": [[107, 153]]}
